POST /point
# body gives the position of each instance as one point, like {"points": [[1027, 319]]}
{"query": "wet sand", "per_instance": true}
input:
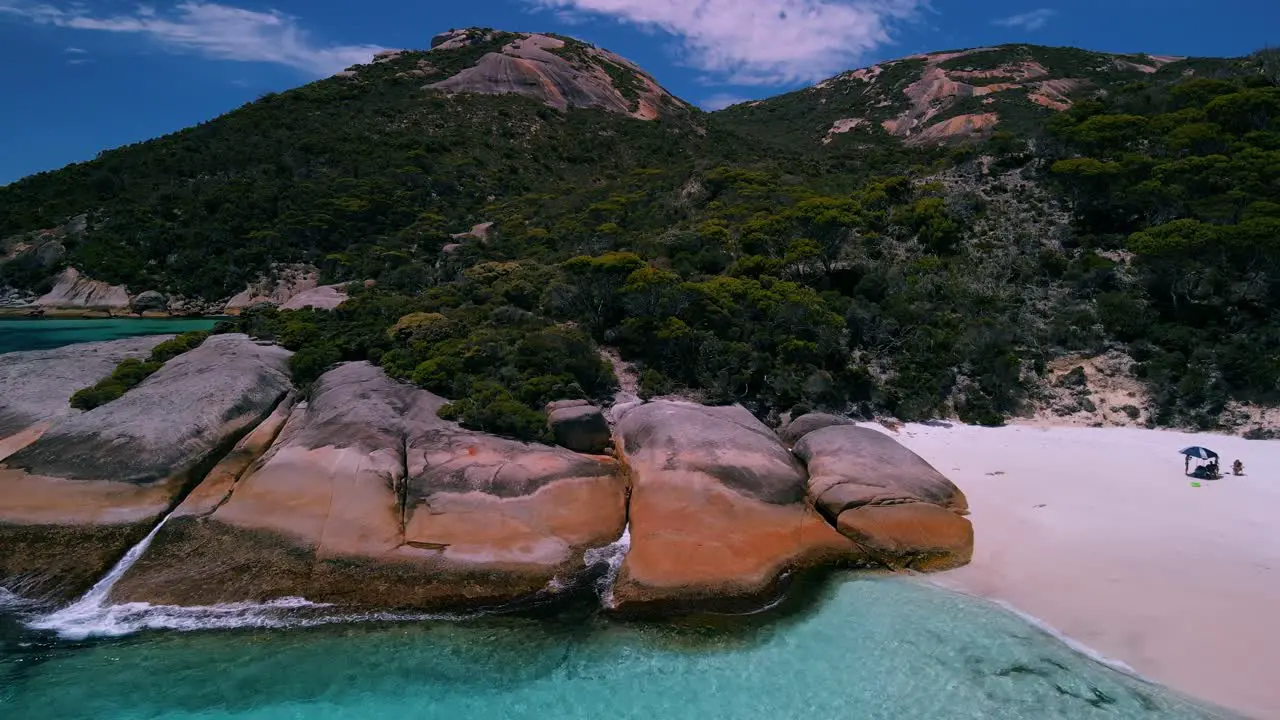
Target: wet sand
{"points": [[1098, 533]]}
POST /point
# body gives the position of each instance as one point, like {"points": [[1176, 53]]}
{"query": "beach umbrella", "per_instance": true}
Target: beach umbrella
{"points": [[1199, 452]]}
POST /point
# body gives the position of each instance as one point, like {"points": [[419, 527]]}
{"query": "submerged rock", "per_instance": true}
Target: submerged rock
{"points": [[718, 513], [887, 499], [368, 499], [73, 501]]}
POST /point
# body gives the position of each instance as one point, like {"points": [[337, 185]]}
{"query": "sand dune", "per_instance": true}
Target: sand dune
{"points": [[1098, 533]]}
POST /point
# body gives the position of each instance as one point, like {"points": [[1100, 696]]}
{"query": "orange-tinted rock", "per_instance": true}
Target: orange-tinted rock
{"points": [[889, 501], [959, 127], [369, 500], [73, 501], [535, 66], [717, 514], [914, 535]]}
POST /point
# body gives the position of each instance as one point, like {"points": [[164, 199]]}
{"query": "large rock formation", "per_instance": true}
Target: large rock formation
{"points": [[325, 297], [718, 512], [283, 284], [36, 386], [891, 502], [791, 433], [151, 301], [368, 499], [73, 501], [560, 74], [73, 291]]}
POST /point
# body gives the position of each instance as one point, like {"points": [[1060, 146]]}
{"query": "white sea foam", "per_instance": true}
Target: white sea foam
{"points": [[12, 601], [92, 616], [79, 621], [612, 554]]}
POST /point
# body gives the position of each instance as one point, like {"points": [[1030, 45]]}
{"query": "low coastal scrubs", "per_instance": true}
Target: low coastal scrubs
{"points": [[131, 372], [499, 363], [733, 257]]}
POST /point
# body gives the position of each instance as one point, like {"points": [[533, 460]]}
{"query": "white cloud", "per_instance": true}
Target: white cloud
{"points": [[720, 101], [221, 32], [1030, 21], [761, 42]]}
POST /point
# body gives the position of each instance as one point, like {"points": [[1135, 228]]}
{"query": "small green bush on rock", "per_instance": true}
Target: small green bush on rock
{"points": [[131, 372]]}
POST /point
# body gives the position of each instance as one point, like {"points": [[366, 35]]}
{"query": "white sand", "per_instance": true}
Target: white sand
{"points": [[1098, 533]]}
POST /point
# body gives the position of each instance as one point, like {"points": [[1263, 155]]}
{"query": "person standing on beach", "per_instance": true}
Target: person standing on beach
{"points": [[1186, 466]]}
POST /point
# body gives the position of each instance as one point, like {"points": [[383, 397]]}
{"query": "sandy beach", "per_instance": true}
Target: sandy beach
{"points": [[1098, 533]]}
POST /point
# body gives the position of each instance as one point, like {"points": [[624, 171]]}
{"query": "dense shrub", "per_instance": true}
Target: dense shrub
{"points": [[131, 372]]}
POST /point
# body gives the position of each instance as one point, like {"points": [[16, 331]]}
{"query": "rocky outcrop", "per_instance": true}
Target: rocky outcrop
{"points": [[368, 499], [891, 502], [325, 297], [842, 126], [579, 426], [959, 127], [479, 231], [560, 74], [74, 500], [284, 284], [791, 433], [73, 291], [36, 386], [718, 513], [150, 301]]}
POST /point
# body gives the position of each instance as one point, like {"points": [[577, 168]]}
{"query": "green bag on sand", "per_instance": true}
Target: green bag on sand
{"points": [[1195, 484]]}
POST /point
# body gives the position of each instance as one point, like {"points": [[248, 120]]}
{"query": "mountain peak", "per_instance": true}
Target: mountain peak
{"points": [[943, 97], [559, 71]]}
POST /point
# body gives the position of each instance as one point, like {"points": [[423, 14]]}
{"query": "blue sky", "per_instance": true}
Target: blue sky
{"points": [[86, 75]]}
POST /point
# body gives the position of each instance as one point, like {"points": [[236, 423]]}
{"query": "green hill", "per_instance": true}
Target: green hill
{"points": [[924, 238]]}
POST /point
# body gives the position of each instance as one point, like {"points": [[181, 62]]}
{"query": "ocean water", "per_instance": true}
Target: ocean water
{"points": [[45, 334], [858, 648]]}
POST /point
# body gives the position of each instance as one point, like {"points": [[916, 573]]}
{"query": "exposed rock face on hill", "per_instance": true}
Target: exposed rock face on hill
{"points": [[561, 74], [718, 512], [946, 97], [73, 501], [888, 500], [284, 284], [325, 297], [36, 386], [368, 499], [74, 291]]}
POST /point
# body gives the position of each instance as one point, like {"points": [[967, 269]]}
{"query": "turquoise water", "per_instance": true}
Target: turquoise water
{"points": [[865, 648], [46, 334]]}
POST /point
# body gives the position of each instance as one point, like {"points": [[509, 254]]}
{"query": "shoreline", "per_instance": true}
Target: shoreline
{"points": [[28, 314], [1097, 534]]}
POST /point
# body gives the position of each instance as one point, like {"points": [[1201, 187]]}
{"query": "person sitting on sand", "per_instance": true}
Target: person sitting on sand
{"points": [[1237, 468], [1212, 469]]}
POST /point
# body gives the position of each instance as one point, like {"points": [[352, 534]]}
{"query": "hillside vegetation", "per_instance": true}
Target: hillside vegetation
{"points": [[752, 256]]}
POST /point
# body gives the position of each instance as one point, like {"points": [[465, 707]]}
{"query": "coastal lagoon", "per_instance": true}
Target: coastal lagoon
{"points": [[856, 647], [41, 334]]}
